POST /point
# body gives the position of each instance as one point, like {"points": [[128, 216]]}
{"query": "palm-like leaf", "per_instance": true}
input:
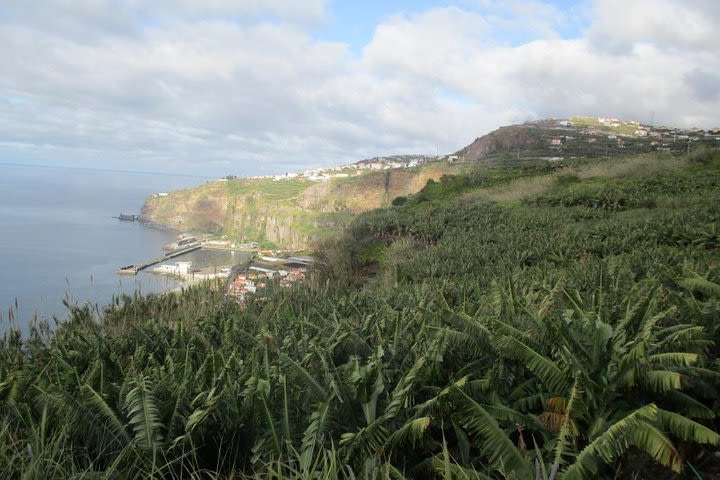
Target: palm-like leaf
{"points": [[686, 429], [650, 439], [609, 445], [314, 433], [143, 414], [411, 432], [114, 424], [497, 446], [566, 429], [540, 365], [701, 285]]}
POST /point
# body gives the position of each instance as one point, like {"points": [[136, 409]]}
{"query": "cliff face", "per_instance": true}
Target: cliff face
{"points": [[374, 190], [291, 213], [199, 209], [504, 138]]}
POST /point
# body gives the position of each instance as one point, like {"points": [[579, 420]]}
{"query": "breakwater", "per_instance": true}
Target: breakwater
{"points": [[135, 268]]}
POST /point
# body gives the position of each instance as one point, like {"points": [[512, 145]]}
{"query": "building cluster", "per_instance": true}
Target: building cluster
{"points": [[185, 271], [257, 278], [352, 170], [662, 138]]}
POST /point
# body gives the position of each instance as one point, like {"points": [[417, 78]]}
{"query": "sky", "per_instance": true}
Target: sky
{"points": [[248, 87]]}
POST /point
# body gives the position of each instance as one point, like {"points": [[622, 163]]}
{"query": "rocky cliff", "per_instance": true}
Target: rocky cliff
{"points": [[289, 213]]}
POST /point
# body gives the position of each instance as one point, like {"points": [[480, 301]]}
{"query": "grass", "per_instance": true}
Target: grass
{"points": [[511, 189], [594, 123], [268, 189]]}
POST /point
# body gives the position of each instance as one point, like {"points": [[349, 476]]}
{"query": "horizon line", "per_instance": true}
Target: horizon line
{"points": [[100, 169]]}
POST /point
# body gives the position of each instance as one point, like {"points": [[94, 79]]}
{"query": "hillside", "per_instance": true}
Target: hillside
{"points": [[294, 211], [508, 323], [582, 137]]}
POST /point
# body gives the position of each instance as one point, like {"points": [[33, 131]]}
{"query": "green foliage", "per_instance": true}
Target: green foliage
{"points": [[704, 156], [442, 337], [399, 201]]}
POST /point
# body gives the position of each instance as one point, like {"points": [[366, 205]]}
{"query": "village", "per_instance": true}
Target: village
{"points": [[257, 278], [622, 132], [242, 279], [351, 170]]}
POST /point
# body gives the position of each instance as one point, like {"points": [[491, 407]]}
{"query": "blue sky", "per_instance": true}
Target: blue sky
{"points": [[354, 22], [245, 87]]}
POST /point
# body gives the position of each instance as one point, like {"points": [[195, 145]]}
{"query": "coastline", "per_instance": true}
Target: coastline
{"points": [[144, 221]]}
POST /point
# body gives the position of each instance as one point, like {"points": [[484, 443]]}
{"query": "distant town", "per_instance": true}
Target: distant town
{"points": [[661, 137], [351, 170]]}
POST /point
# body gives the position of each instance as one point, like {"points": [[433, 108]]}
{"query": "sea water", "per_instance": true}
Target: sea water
{"points": [[59, 239]]}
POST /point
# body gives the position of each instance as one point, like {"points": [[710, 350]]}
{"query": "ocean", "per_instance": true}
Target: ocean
{"points": [[59, 240]]}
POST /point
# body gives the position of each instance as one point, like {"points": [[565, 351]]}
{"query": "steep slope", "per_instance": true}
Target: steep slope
{"points": [[289, 213]]}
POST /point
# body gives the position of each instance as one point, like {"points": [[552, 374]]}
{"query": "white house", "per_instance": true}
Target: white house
{"points": [[180, 268]]}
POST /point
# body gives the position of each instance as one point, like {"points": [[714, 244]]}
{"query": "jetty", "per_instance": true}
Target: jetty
{"points": [[134, 269]]}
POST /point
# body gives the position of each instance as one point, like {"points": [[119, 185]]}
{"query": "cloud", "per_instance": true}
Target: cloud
{"points": [[244, 87], [646, 68], [669, 25], [705, 85]]}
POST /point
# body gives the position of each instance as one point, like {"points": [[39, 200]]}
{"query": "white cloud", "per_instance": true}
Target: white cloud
{"points": [[673, 25], [216, 85], [646, 68]]}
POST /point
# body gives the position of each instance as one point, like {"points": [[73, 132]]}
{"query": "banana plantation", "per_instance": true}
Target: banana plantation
{"points": [[479, 329]]}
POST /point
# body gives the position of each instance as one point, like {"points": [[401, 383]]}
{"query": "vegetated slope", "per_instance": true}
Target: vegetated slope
{"points": [[295, 213], [582, 137], [470, 331], [291, 213]]}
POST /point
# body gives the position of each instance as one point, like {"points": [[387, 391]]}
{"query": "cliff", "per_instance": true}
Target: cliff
{"points": [[290, 213]]}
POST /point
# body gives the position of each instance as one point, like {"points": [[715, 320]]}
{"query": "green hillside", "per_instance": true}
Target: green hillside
{"points": [[525, 321], [582, 137]]}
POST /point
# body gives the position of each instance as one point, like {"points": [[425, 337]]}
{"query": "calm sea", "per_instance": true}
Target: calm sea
{"points": [[59, 240]]}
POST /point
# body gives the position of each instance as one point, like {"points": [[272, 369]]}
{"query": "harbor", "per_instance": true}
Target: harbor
{"points": [[135, 268], [183, 244], [247, 275], [186, 243]]}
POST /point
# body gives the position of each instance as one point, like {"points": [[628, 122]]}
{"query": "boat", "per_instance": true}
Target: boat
{"points": [[128, 218]]}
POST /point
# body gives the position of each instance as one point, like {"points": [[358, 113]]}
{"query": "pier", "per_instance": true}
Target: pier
{"points": [[134, 269]]}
